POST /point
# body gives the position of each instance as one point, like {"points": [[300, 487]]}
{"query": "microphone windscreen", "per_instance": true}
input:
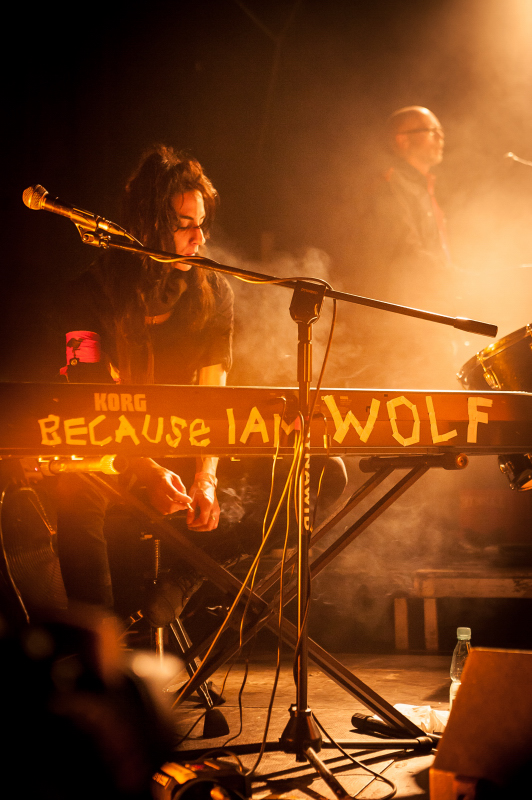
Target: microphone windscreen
{"points": [[33, 197]]}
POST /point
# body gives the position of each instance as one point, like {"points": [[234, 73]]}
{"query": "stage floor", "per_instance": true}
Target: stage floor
{"points": [[410, 679]]}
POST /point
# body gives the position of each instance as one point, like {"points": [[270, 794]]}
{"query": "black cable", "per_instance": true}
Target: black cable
{"points": [[279, 643], [326, 354], [286, 491], [332, 327], [244, 582], [240, 704], [357, 763]]}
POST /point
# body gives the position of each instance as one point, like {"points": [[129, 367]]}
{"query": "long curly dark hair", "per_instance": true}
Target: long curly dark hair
{"points": [[130, 281]]}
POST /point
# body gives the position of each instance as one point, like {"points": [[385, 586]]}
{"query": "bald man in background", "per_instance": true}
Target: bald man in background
{"points": [[404, 233], [403, 258]]}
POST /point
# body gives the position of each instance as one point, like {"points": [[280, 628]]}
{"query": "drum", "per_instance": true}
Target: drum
{"points": [[506, 365]]}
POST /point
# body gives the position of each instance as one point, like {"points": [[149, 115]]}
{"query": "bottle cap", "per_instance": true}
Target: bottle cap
{"points": [[463, 633]]}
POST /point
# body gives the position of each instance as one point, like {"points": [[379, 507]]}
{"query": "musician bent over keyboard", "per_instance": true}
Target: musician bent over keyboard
{"points": [[134, 319]]}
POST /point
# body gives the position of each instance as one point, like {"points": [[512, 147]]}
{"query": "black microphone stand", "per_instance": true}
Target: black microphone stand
{"points": [[301, 735], [131, 245]]}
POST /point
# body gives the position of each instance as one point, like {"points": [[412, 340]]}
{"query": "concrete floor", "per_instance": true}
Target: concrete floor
{"points": [[409, 679]]}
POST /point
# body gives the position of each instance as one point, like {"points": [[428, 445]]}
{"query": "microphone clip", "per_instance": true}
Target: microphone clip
{"points": [[97, 238]]}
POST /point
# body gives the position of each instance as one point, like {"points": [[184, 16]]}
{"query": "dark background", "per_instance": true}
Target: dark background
{"points": [[283, 103]]}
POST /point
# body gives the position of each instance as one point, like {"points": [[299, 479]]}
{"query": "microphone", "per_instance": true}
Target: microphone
{"points": [[513, 157], [38, 199]]}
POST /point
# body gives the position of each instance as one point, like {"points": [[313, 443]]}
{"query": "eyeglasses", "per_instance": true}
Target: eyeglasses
{"points": [[433, 131]]}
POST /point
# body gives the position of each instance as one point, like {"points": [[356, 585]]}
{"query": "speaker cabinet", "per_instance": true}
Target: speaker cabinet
{"points": [[486, 748]]}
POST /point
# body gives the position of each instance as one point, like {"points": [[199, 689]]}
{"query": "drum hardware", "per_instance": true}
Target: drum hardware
{"points": [[491, 378], [518, 470], [504, 365]]}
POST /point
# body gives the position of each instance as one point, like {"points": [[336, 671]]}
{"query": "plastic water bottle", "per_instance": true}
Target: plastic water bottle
{"points": [[461, 652]]}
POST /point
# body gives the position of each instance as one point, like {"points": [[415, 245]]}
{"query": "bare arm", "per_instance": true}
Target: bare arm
{"points": [[203, 490]]}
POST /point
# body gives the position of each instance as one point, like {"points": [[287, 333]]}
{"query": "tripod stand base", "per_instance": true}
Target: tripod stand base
{"points": [[301, 732], [215, 724]]}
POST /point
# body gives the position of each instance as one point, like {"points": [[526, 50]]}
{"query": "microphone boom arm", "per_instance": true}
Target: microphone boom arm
{"points": [[461, 323], [98, 232]]}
